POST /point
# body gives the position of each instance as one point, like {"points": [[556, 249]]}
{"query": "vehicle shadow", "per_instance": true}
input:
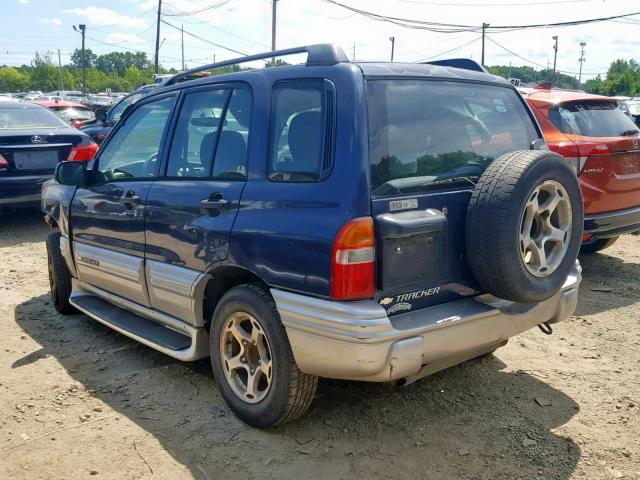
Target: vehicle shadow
{"points": [[608, 282], [475, 420], [20, 226]]}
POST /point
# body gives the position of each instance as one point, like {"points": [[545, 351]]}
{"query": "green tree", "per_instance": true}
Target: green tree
{"points": [[76, 58], [120, 61], [13, 80]]}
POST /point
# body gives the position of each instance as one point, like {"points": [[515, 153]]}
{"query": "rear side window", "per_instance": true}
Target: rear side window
{"points": [[301, 129], [426, 134], [591, 118]]}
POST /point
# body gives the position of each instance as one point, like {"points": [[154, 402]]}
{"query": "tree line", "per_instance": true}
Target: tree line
{"points": [[126, 71], [119, 71]]}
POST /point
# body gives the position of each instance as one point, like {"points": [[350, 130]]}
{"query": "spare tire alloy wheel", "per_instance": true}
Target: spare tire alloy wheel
{"points": [[246, 357], [524, 226], [545, 231]]}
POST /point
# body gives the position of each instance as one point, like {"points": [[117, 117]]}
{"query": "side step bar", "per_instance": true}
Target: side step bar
{"points": [[154, 329]]}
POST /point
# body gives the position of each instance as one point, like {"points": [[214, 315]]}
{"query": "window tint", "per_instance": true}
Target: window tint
{"points": [[298, 132], [195, 135], [427, 134], [133, 150], [592, 118], [231, 153]]}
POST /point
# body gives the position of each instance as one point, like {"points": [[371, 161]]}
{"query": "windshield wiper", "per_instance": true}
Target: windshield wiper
{"points": [[628, 133]]}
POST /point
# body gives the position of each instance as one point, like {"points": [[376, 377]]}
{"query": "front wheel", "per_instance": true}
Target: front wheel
{"points": [[59, 276], [598, 245], [252, 360]]}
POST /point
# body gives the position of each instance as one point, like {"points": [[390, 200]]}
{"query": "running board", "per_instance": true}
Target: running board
{"points": [[154, 329]]}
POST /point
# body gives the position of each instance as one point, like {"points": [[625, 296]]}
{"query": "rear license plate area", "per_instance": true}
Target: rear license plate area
{"points": [[36, 160]]}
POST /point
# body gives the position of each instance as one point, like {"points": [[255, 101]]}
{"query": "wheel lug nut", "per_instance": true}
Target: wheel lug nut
{"points": [[243, 359]]}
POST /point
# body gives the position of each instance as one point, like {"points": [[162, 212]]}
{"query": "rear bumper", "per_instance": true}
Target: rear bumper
{"points": [[357, 341], [25, 190], [612, 224]]}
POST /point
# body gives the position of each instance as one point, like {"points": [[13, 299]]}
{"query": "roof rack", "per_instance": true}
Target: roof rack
{"points": [[464, 63], [322, 54]]}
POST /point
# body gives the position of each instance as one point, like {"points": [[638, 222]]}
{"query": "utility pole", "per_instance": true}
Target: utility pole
{"points": [[155, 63], [82, 27], [484, 27], [581, 60], [182, 43], [60, 70], [393, 45], [274, 16], [354, 52]]}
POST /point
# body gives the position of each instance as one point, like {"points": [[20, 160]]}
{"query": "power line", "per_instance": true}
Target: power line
{"points": [[452, 27], [451, 50], [528, 60], [204, 39], [509, 4], [204, 9]]}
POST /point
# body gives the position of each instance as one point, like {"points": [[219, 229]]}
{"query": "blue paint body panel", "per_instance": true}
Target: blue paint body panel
{"points": [[282, 232]]}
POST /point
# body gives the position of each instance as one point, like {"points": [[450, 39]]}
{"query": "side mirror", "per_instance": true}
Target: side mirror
{"points": [[72, 173]]}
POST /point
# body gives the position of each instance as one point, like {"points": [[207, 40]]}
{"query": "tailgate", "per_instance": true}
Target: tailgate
{"points": [[429, 143], [611, 181]]}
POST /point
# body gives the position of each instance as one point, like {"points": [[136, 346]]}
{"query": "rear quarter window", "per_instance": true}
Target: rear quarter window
{"points": [[426, 134], [591, 118]]}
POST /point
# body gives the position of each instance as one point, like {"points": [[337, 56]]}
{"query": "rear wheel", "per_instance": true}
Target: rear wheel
{"points": [[59, 276], [598, 245], [252, 360]]}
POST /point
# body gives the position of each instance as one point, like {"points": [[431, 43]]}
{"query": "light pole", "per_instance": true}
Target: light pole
{"points": [[81, 28], [555, 53], [393, 45]]}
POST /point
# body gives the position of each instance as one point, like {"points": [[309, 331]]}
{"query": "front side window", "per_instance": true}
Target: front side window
{"points": [[134, 149], [298, 132], [116, 112], [426, 134], [591, 118]]}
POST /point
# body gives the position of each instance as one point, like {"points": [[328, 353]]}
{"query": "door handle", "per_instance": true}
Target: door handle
{"points": [[215, 203], [130, 199]]}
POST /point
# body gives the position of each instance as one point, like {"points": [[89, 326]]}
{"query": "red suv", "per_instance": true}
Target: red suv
{"points": [[604, 146]]}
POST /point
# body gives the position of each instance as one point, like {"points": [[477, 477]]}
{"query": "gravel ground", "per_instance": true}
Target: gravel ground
{"points": [[80, 401]]}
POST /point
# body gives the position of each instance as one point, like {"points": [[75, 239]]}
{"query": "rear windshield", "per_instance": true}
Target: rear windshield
{"points": [[592, 118], [18, 117], [74, 113], [426, 134]]}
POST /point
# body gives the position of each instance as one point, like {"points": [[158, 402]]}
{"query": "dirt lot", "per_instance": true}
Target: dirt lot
{"points": [[80, 401]]}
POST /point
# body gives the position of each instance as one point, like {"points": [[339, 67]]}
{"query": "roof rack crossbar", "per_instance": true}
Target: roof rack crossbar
{"points": [[322, 54]]}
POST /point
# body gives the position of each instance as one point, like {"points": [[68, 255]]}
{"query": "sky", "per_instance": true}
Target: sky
{"points": [[244, 27]]}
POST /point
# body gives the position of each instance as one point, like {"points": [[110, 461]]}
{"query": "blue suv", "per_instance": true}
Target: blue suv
{"points": [[364, 221]]}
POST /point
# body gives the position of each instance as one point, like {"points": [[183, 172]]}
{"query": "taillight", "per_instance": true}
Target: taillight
{"points": [[83, 153], [353, 261], [3, 162], [578, 153]]}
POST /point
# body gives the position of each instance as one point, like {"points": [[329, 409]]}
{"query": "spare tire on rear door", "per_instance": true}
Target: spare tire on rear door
{"points": [[524, 226]]}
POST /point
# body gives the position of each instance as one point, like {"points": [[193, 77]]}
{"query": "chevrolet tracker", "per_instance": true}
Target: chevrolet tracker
{"points": [[365, 221]]}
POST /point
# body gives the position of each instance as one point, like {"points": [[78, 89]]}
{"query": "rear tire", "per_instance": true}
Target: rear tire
{"points": [[598, 245], [248, 341], [59, 276]]}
